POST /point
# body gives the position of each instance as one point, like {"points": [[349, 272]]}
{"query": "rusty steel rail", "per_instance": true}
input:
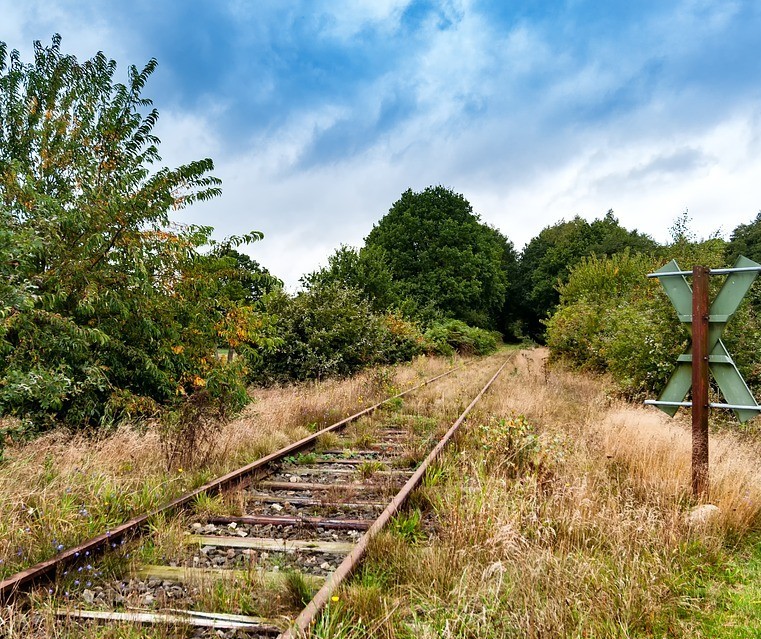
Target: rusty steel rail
{"points": [[302, 623], [240, 477]]}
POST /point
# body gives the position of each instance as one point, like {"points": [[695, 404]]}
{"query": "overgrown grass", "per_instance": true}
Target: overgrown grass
{"points": [[61, 489], [565, 514]]}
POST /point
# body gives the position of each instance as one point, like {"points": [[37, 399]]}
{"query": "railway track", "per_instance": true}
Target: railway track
{"points": [[274, 536]]}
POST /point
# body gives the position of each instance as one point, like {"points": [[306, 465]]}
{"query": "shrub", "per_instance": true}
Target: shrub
{"points": [[573, 334], [324, 331], [612, 318], [449, 336], [401, 339]]}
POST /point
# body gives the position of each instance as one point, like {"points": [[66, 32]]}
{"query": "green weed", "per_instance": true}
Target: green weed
{"points": [[368, 468], [408, 526], [298, 589]]}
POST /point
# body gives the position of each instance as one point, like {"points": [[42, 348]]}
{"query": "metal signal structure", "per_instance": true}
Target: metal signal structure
{"points": [[707, 352]]}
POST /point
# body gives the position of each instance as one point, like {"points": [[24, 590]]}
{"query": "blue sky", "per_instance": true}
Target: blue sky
{"points": [[319, 114]]}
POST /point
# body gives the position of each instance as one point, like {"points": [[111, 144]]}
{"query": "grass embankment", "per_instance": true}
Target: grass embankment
{"points": [[568, 522]]}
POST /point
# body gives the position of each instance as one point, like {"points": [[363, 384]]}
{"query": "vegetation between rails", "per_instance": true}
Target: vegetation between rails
{"points": [[61, 489], [280, 415]]}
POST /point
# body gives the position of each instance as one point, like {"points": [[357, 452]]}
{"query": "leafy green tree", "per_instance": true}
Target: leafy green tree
{"points": [[443, 258], [365, 270], [549, 257], [242, 279], [232, 285], [96, 316], [745, 240]]}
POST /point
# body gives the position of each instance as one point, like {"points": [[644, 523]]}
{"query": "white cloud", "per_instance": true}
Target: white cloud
{"points": [[83, 32], [490, 115], [721, 189]]}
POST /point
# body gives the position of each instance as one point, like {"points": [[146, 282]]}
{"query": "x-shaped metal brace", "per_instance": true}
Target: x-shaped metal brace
{"points": [[724, 370]]}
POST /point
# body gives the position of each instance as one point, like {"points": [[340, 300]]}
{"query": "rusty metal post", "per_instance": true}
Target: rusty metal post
{"points": [[700, 382]]}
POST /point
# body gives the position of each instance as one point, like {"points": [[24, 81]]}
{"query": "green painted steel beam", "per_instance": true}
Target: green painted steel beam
{"points": [[677, 387], [732, 385], [677, 289]]}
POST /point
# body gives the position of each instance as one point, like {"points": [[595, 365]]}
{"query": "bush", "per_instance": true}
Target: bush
{"points": [[401, 340], [612, 318], [331, 330], [450, 336], [574, 334], [328, 330]]}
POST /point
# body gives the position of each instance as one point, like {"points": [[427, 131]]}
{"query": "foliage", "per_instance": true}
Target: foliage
{"points": [[450, 336], [326, 330], [401, 339], [331, 330], [443, 258], [613, 318], [365, 270], [106, 307], [222, 290], [745, 240], [548, 258], [510, 445], [242, 279]]}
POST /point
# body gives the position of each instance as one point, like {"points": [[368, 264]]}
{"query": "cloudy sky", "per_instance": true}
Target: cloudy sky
{"points": [[319, 114]]}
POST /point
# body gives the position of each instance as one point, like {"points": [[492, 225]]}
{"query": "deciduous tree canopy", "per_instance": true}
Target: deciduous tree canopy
{"points": [[443, 257], [103, 310], [365, 270], [548, 258], [745, 240]]}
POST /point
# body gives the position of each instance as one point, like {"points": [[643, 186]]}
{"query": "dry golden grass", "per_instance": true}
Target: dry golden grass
{"points": [[571, 522], [654, 448], [60, 489]]}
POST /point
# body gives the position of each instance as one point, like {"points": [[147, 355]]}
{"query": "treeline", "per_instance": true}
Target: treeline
{"points": [[612, 318], [429, 278], [110, 311]]}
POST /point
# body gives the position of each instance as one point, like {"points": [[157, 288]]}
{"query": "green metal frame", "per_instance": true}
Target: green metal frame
{"points": [[724, 370]]}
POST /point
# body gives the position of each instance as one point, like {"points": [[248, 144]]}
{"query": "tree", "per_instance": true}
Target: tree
{"points": [[241, 278], [548, 258], [365, 270], [745, 240], [96, 317], [443, 258]]}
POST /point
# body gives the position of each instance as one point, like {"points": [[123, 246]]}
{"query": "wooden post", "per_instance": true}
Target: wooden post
{"points": [[700, 382]]}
